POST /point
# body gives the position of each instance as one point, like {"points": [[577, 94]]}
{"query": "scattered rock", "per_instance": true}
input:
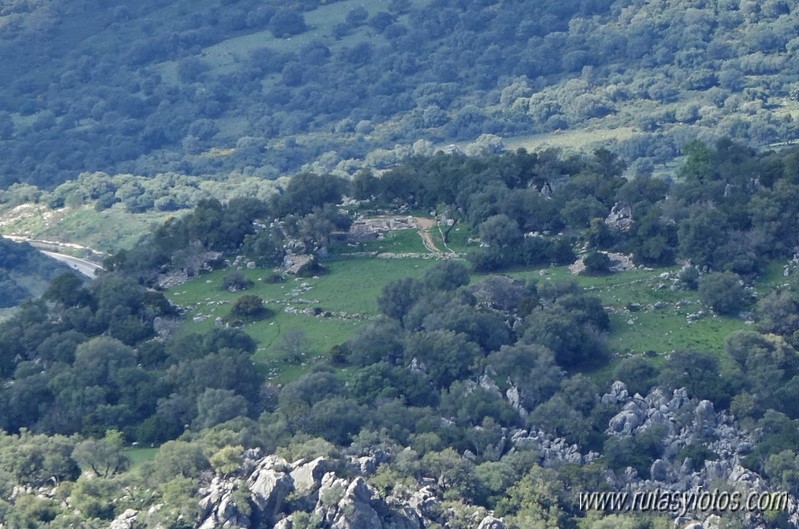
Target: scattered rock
{"points": [[620, 217], [489, 522], [277, 487], [298, 264], [618, 393], [126, 520], [487, 383]]}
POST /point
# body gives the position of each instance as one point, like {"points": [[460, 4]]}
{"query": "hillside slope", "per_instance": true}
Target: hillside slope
{"points": [[218, 86]]}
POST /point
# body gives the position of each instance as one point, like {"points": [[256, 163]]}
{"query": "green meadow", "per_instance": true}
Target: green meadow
{"points": [[648, 311], [328, 308]]}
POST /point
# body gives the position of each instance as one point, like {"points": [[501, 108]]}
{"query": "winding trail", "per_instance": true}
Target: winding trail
{"points": [[424, 226]]}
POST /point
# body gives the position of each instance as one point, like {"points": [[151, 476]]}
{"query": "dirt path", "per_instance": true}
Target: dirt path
{"points": [[425, 225], [422, 225]]}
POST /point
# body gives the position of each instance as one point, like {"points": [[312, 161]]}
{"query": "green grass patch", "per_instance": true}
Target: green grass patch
{"points": [[120, 228], [345, 299], [570, 139], [648, 310], [398, 241], [138, 456], [667, 330], [661, 324], [458, 239], [772, 277]]}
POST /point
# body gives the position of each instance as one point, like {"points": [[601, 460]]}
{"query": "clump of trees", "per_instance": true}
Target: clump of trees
{"points": [[724, 292], [532, 209], [89, 358]]}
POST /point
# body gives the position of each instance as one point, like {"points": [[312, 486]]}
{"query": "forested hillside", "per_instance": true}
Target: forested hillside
{"points": [[218, 86], [332, 299], [452, 397]]}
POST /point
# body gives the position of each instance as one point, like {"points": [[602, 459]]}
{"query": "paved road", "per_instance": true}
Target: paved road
{"points": [[83, 266]]}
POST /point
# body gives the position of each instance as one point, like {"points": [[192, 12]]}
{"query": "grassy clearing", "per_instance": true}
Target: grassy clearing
{"points": [[345, 300], [320, 22], [138, 456], [348, 292], [648, 313], [668, 330], [661, 325], [569, 139], [458, 239], [120, 228], [399, 241]]}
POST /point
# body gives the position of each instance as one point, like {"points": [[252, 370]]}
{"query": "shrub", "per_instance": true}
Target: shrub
{"points": [[249, 307], [236, 281], [723, 292], [596, 263]]}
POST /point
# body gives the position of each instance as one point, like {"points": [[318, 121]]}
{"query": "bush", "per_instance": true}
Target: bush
{"points": [[723, 292], [637, 373], [249, 307], [236, 281], [689, 277], [596, 263], [287, 22]]}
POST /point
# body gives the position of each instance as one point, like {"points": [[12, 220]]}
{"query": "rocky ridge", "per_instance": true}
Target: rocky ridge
{"points": [[271, 492], [311, 493], [686, 422]]}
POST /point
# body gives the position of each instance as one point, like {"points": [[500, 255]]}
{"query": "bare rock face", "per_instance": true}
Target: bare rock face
{"points": [[617, 395], [620, 217], [625, 422], [552, 451], [355, 511], [126, 520], [515, 397], [684, 422], [424, 503], [269, 485], [287, 495], [489, 522], [285, 523], [660, 470], [308, 476], [218, 508]]}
